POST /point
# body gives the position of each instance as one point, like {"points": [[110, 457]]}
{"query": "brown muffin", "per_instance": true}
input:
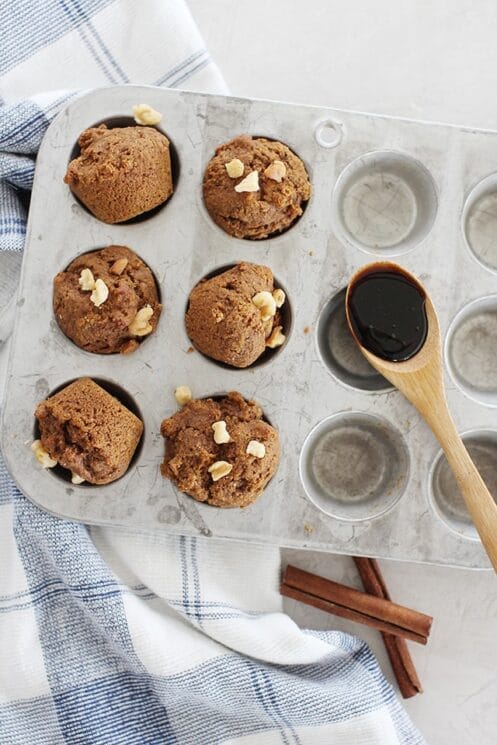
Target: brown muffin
{"points": [[88, 431], [191, 450], [223, 321], [109, 327], [121, 172], [283, 188]]}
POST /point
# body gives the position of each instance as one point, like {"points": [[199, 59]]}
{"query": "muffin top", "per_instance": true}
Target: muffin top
{"points": [[121, 172], [87, 430], [254, 188], [234, 316], [230, 470], [107, 301]]}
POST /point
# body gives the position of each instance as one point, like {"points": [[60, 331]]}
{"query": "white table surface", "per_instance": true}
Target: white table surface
{"points": [[425, 59]]}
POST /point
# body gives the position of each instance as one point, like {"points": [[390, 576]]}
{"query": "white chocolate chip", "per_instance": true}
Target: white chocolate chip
{"points": [[276, 338], [145, 114], [276, 171], [266, 304], [234, 168], [86, 280], [42, 456], [249, 183], [221, 434], [279, 297], [256, 448], [182, 394], [75, 479], [219, 469], [100, 293], [119, 266], [140, 325]]}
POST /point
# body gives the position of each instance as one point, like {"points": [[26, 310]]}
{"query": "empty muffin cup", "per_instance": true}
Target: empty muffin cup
{"points": [[341, 354], [470, 350], [384, 202], [354, 466], [445, 496], [479, 222]]}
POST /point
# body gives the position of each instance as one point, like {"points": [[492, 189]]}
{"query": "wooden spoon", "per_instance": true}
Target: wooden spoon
{"points": [[420, 379]]}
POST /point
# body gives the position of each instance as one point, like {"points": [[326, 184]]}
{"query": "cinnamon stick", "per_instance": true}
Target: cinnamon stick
{"points": [[398, 653], [377, 612]]}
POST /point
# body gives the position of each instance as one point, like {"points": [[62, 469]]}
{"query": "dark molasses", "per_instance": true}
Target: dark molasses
{"points": [[388, 316]]}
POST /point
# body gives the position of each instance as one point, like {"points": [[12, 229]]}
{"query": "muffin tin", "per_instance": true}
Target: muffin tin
{"points": [[360, 473]]}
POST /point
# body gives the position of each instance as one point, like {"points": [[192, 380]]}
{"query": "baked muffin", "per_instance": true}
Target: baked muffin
{"points": [[121, 172], [85, 429], [107, 301], [220, 451], [234, 316], [255, 188]]}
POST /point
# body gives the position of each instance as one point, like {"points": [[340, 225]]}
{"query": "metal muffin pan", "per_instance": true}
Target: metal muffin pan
{"points": [[360, 472]]}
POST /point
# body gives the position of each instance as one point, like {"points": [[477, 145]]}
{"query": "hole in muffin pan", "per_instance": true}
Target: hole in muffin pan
{"points": [[340, 353], [328, 133], [141, 340], [269, 354], [125, 398], [271, 236], [479, 222], [128, 121], [470, 350], [354, 466], [384, 202], [445, 497]]}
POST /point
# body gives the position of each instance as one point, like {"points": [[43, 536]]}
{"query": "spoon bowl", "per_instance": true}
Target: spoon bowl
{"points": [[430, 352], [420, 379]]}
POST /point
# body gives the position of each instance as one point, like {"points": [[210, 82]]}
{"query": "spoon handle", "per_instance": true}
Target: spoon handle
{"points": [[479, 501], [425, 389]]}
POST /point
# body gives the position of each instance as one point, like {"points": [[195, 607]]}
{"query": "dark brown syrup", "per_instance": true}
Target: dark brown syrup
{"points": [[388, 315]]}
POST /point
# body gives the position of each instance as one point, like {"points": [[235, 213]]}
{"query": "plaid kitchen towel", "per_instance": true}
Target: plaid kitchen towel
{"points": [[116, 637]]}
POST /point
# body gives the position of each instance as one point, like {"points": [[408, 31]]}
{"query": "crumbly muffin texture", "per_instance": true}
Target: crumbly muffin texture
{"points": [[191, 450], [121, 172], [106, 328], [88, 431], [270, 209], [223, 322]]}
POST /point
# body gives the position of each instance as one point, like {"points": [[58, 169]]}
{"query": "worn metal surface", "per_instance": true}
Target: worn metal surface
{"points": [[299, 387]]}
